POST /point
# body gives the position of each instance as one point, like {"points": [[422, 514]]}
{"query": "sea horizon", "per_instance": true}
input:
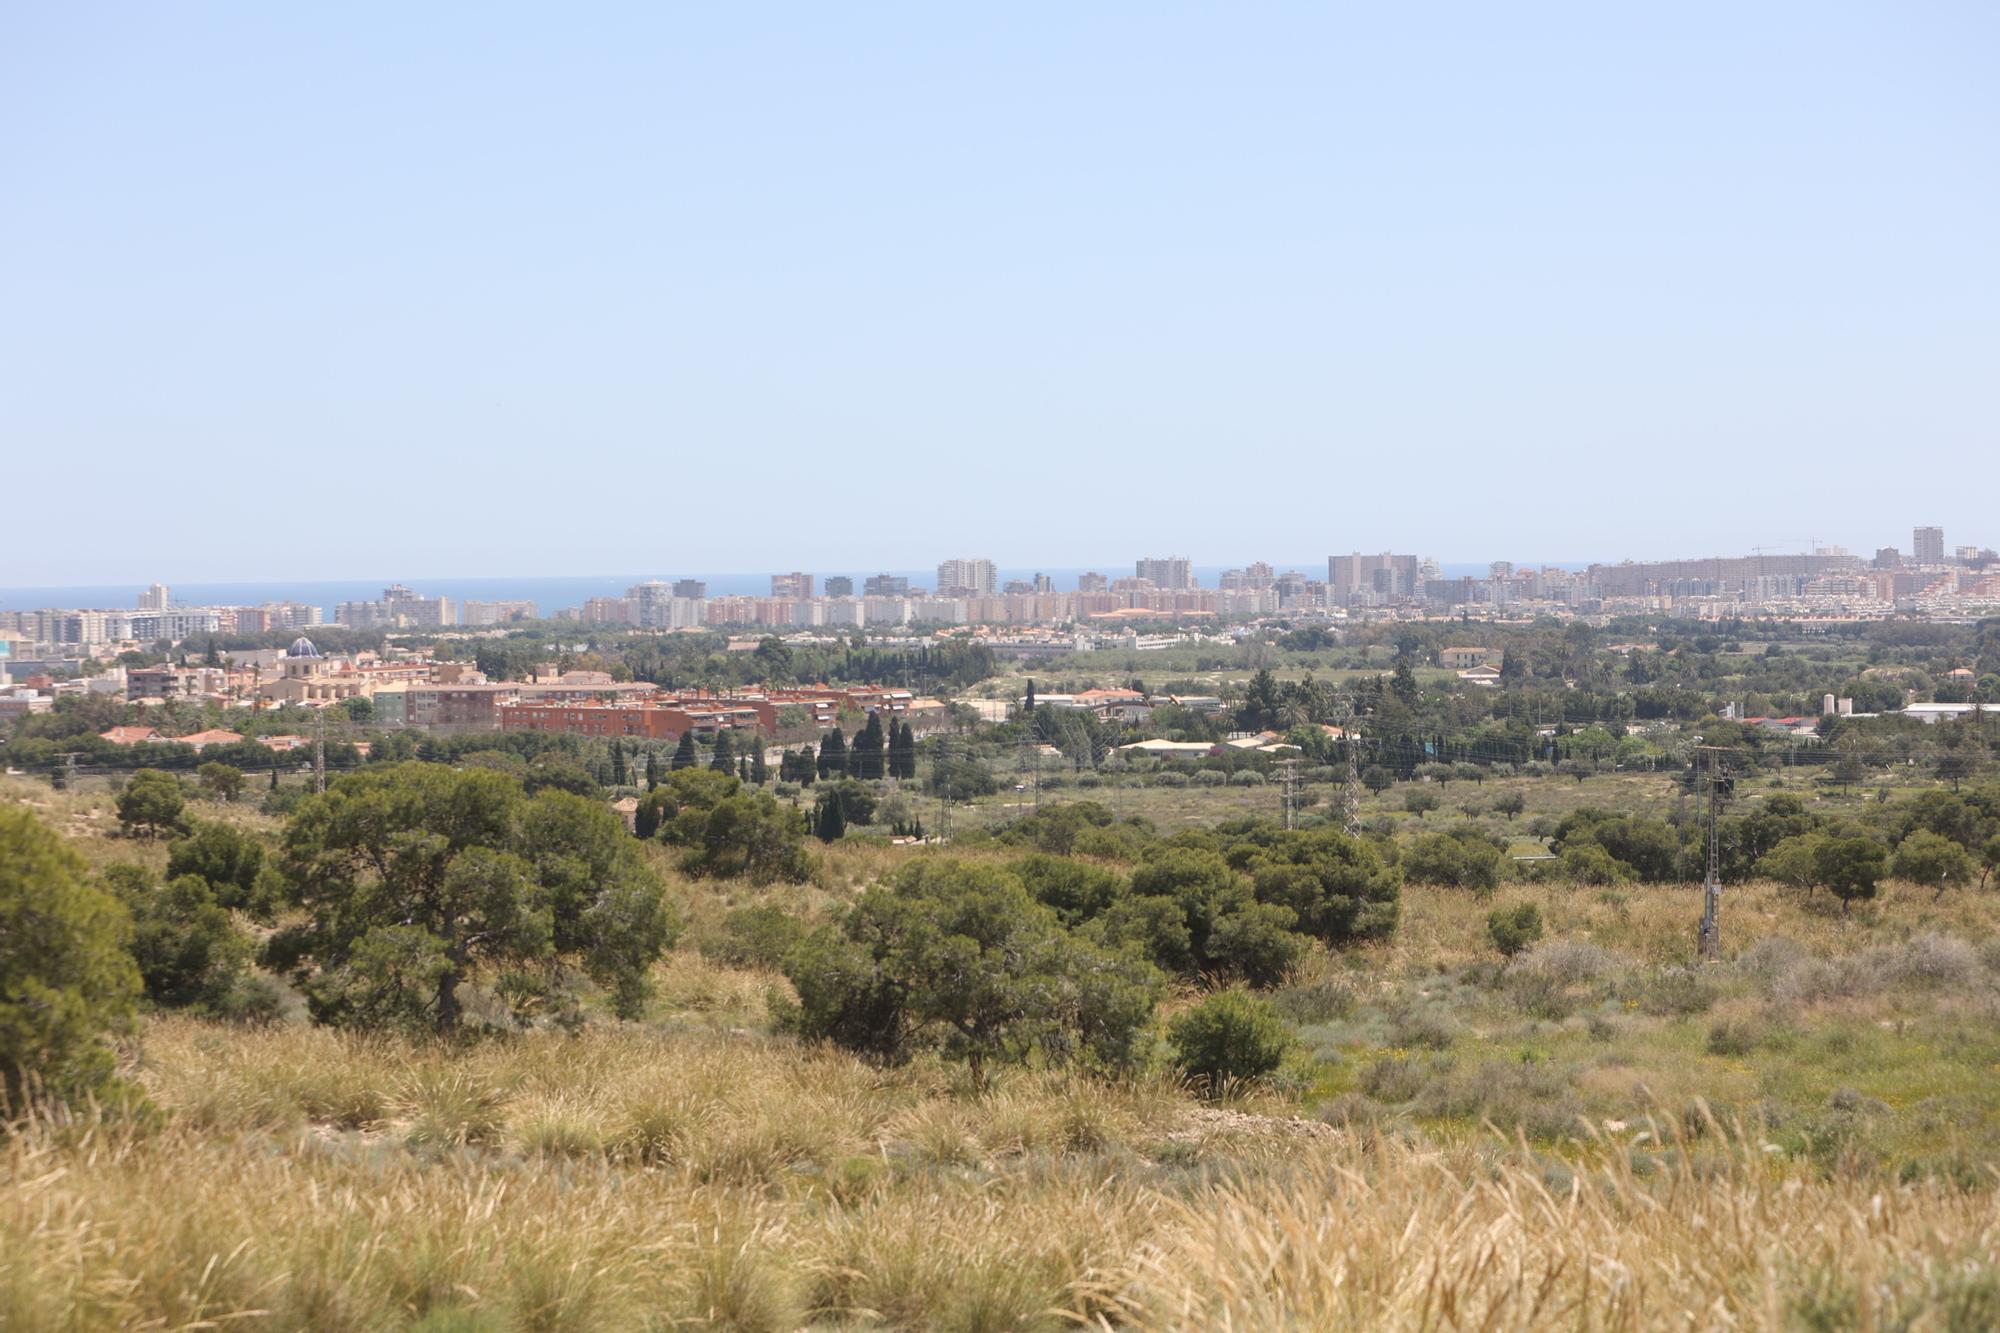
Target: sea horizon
{"points": [[552, 593]]}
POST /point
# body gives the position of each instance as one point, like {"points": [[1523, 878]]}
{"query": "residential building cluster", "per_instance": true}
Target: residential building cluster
{"points": [[407, 691]]}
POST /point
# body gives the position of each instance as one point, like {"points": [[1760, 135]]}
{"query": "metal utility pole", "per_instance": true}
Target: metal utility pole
{"points": [[68, 771], [1350, 740], [1709, 938], [1288, 771], [1030, 768]]}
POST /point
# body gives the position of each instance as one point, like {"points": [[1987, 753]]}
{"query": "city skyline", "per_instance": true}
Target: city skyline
{"points": [[1915, 542]]}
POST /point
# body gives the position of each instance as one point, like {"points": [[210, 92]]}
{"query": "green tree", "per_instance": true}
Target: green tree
{"points": [[151, 803], [1851, 868], [724, 831], [1261, 702], [1588, 863], [869, 750], [1454, 862], [1229, 1038], [66, 978], [619, 776], [1077, 891], [417, 877], [1377, 778], [959, 957], [189, 952], [832, 754], [1420, 801], [1794, 862], [223, 782], [760, 769], [829, 816], [1192, 913], [228, 860], [685, 755], [724, 758], [1513, 930], [1509, 803], [1340, 888], [652, 769], [1927, 858]]}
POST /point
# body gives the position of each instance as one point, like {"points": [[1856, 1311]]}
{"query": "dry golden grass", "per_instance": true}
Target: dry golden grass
{"points": [[303, 1179]]}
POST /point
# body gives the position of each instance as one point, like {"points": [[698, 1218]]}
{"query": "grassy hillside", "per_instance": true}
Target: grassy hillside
{"points": [[1593, 1134]]}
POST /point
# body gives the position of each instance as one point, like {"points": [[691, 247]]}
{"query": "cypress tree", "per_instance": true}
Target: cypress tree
{"points": [[652, 769], [832, 754], [619, 776], [868, 749], [760, 771], [832, 819], [685, 755], [1030, 705], [724, 760]]}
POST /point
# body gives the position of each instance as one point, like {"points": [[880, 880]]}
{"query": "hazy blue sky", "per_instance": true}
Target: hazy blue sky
{"points": [[296, 291]]}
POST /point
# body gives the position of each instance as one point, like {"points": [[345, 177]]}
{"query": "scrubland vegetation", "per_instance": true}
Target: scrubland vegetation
{"points": [[1073, 1071]]}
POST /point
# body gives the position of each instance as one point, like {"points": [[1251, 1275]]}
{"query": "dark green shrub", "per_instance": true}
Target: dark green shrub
{"points": [[1229, 1037], [1514, 929]]}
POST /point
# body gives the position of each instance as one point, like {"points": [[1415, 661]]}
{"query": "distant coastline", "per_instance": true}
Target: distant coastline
{"points": [[550, 594]]}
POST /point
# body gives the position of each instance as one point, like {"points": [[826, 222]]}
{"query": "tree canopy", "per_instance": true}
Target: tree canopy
{"points": [[418, 878], [66, 979]]}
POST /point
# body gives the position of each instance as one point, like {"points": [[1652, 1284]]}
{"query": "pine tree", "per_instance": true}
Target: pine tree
{"points": [[619, 776], [685, 755], [724, 760], [760, 772]]}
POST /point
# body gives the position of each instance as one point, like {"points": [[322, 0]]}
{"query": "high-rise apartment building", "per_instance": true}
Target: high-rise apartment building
{"points": [[1092, 581], [967, 576], [839, 585], [399, 607], [1927, 546], [156, 598], [795, 585], [1386, 574], [693, 588], [1174, 571], [885, 585]]}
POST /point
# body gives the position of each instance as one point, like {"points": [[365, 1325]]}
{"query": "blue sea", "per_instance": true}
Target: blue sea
{"points": [[549, 594]]}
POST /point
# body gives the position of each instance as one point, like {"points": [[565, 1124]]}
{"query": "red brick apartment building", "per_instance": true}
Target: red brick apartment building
{"points": [[641, 721]]}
